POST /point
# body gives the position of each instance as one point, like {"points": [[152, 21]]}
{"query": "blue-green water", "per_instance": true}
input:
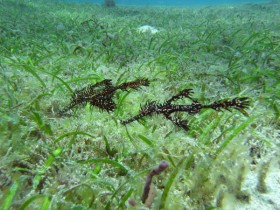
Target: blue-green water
{"points": [[175, 2]]}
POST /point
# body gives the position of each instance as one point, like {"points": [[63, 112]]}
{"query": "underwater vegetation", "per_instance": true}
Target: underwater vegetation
{"points": [[56, 59]]}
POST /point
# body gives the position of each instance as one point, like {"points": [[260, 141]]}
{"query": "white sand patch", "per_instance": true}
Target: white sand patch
{"points": [[147, 29], [264, 201]]}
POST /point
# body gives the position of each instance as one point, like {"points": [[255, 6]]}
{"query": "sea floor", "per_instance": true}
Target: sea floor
{"points": [[266, 200], [196, 87]]}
